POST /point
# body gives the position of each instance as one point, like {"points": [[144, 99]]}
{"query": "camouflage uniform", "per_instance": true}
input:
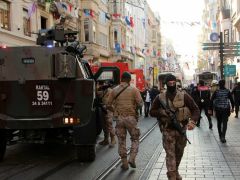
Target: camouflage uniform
{"points": [[125, 106], [107, 120], [173, 142]]}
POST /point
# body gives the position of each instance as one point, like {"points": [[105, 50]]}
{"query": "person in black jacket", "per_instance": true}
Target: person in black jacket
{"points": [[204, 95], [153, 93], [220, 103], [236, 96]]}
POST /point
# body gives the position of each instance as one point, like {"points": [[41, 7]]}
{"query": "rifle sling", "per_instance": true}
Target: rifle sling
{"points": [[120, 92]]}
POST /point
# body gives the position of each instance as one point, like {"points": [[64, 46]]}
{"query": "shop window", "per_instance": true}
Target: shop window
{"points": [[4, 15], [26, 23]]}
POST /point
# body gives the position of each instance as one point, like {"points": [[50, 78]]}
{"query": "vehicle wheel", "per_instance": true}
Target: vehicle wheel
{"points": [[86, 153], [3, 144]]}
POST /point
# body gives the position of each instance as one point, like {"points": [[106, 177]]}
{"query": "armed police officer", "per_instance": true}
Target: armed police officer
{"points": [[107, 120], [126, 99], [186, 113]]}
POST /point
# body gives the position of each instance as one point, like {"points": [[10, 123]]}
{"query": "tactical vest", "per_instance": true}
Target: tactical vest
{"points": [[125, 103], [221, 100], [177, 105]]}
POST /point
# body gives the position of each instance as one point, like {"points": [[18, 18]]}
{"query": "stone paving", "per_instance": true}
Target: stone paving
{"points": [[206, 158]]}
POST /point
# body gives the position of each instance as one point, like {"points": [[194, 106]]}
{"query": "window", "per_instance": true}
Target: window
{"points": [[94, 33], [226, 36], [43, 22], [4, 15], [153, 35], [115, 36], [26, 23], [114, 6], [102, 17], [103, 40], [86, 30]]}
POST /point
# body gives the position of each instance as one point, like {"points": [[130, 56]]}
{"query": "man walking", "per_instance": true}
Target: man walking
{"points": [[204, 95], [220, 102], [236, 96], [181, 104], [126, 100], [107, 123], [147, 101]]}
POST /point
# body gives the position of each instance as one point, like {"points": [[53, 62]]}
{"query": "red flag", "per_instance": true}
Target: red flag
{"points": [[131, 22], [91, 13]]}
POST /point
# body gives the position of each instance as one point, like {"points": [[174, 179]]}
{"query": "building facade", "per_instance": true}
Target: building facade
{"points": [[114, 30]]}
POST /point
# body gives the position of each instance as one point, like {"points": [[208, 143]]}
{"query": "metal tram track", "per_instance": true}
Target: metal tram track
{"points": [[102, 175], [117, 161]]}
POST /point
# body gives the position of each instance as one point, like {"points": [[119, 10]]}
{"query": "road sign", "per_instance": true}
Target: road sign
{"points": [[229, 70], [210, 44], [214, 36], [210, 48]]}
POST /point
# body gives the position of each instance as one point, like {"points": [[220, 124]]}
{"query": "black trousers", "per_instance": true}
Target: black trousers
{"points": [[205, 108], [146, 108], [237, 103], [222, 120]]}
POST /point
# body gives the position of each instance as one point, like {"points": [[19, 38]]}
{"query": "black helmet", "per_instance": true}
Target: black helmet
{"points": [[126, 75]]}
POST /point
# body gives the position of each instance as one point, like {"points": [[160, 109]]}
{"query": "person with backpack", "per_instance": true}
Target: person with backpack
{"points": [[220, 102], [204, 96]]}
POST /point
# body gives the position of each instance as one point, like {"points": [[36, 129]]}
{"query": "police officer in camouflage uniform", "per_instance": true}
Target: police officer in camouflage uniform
{"points": [[187, 114], [126, 99], [107, 117]]}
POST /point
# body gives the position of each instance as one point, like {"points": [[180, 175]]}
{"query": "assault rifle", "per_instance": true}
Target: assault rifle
{"points": [[175, 123]]}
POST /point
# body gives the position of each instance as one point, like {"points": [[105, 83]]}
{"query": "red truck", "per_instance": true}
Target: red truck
{"points": [[138, 79]]}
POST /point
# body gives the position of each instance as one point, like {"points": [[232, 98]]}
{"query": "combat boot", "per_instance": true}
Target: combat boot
{"points": [[131, 162], [113, 141], [171, 175], [124, 165], [104, 142]]}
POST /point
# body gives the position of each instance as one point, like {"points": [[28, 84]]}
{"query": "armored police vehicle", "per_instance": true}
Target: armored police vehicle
{"points": [[47, 94]]}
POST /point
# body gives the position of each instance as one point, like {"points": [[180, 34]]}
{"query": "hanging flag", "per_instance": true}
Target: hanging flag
{"points": [[117, 47], [144, 23], [86, 12], [116, 15], [75, 12], [127, 20], [149, 22], [107, 16], [131, 22], [91, 13], [32, 9]]}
